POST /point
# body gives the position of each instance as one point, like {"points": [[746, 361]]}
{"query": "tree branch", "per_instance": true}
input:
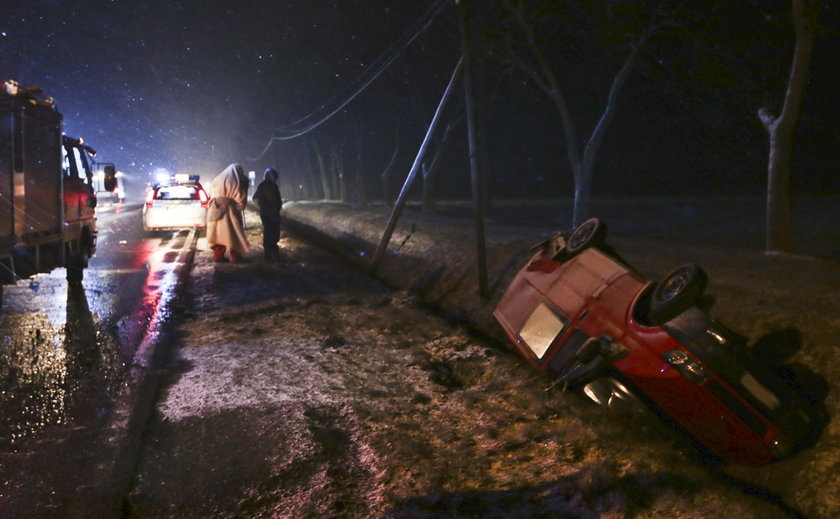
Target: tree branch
{"points": [[548, 83], [597, 136]]}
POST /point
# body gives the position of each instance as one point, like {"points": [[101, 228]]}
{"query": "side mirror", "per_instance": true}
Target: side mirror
{"points": [[603, 345], [589, 350], [110, 179]]}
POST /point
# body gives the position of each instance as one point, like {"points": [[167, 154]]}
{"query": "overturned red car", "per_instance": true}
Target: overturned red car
{"points": [[580, 314]]}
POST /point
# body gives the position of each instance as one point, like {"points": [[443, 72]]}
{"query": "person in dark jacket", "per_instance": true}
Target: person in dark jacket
{"points": [[267, 197]]}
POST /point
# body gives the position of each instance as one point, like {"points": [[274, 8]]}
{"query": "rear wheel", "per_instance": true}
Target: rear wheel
{"points": [[590, 233], [78, 262], [680, 290], [76, 268]]}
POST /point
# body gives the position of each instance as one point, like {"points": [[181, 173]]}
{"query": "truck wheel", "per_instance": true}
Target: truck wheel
{"points": [[680, 289], [76, 265], [590, 233], [75, 269]]}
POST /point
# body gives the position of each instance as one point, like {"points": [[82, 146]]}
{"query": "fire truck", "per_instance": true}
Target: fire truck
{"points": [[47, 202]]}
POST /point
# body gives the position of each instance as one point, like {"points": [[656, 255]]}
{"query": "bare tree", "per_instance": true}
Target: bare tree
{"points": [[361, 188], [526, 54], [337, 170], [780, 128], [323, 170], [331, 169]]}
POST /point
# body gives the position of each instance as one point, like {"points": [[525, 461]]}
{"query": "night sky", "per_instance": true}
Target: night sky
{"points": [[191, 86]]}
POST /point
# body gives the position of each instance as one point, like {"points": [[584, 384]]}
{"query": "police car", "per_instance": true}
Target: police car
{"points": [[178, 203]]}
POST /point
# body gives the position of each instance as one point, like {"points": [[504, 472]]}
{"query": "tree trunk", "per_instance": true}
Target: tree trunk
{"points": [[582, 201], [337, 168], [778, 216], [326, 184], [781, 129], [361, 190], [312, 183]]}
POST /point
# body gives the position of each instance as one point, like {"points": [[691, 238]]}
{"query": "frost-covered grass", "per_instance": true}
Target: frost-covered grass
{"points": [[307, 389], [786, 303]]}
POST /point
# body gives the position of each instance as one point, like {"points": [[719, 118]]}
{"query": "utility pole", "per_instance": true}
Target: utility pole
{"points": [[476, 179], [412, 174]]}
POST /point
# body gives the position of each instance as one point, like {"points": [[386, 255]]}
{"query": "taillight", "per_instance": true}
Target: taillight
{"points": [[202, 195], [150, 195]]}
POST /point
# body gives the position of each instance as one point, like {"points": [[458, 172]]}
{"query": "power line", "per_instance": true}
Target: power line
{"points": [[374, 70], [377, 66]]}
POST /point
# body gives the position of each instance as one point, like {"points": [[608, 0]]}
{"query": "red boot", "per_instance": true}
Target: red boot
{"points": [[219, 253]]}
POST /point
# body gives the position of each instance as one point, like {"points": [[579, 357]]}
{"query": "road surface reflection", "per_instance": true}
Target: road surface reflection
{"points": [[50, 370], [65, 349]]}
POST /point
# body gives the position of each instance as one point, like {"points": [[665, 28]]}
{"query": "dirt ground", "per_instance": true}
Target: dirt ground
{"points": [[306, 389]]}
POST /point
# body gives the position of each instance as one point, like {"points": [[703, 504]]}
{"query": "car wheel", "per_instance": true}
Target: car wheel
{"points": [[590, 233], [680, 289]]}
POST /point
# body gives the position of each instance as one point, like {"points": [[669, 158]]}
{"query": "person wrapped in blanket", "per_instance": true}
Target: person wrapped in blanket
{"points": [[225, 224]]}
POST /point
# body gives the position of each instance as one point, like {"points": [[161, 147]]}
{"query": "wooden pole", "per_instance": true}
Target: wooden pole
{"points": [[475, 171], [412, 174]]}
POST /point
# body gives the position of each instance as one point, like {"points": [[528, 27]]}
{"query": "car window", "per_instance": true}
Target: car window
{"points": [[541, 328], [177, 193]]}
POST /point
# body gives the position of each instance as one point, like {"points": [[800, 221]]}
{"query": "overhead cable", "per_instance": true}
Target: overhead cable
{"points": [[368, 76]]}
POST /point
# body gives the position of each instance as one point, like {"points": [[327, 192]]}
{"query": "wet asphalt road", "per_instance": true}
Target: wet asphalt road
{"points": [[66, 358]]}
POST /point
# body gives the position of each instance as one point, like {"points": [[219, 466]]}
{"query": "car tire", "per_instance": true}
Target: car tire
{"points": [[590, 233], [677, 292]]}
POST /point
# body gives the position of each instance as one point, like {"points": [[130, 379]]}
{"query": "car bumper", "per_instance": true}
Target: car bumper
{"points": [[174, 218]]}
